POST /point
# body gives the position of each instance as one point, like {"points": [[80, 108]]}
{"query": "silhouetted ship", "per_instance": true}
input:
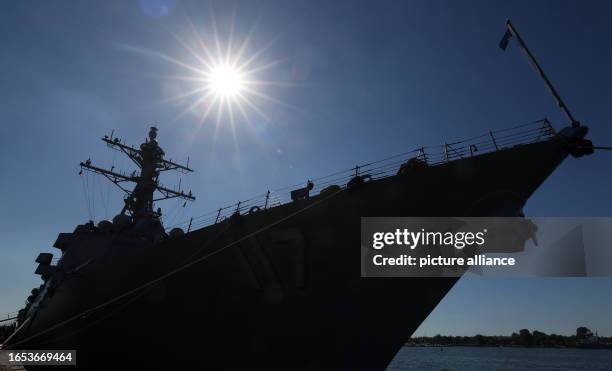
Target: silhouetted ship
{"points": [[270, 284]]}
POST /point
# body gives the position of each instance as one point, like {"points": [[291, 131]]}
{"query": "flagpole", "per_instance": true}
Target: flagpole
{"points": [[549, 85]]}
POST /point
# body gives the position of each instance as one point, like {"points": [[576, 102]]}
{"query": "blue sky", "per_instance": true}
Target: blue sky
{"points": [[353, 81]]}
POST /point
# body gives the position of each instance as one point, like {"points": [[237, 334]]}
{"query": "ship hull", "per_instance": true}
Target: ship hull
{"points": [[280, 288]]}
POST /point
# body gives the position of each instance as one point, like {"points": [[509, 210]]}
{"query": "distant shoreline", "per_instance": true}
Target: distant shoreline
{"points": [[584, 339], [411, 345]]}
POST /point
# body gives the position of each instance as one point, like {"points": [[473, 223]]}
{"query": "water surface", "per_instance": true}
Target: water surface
{"points": [[485, 359]]}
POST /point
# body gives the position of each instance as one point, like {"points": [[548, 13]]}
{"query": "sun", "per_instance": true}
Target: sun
{"points": [[225, 81], [222, 79]]}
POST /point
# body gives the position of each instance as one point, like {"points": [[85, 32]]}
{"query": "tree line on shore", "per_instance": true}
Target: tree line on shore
{"points": [[524, 338]]}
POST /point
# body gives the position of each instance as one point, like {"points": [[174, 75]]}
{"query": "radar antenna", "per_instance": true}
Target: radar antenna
{"points": [[150, 160]]}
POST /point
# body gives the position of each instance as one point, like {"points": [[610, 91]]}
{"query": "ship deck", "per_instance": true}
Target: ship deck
{"points": [[492, 141]]}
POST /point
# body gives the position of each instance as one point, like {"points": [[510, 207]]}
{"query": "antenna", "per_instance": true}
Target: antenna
{"points": [[149, 158], [511, 31]]}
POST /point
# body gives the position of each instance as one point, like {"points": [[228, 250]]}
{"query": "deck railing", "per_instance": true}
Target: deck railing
{"points": [[492, 141], [8, 317]]}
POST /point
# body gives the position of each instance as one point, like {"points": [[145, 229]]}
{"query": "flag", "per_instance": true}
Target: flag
{"points": [[503, 44]]}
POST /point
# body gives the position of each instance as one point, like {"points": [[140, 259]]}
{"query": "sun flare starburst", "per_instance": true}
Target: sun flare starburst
{"points": [[223, 77], [226, 81]]}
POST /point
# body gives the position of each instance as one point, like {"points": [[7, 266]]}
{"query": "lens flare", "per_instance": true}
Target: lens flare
{"points": [[220, 78], [226, 81]]}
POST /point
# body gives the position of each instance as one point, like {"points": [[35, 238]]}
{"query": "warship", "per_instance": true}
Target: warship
{"points": [[272, 282]]}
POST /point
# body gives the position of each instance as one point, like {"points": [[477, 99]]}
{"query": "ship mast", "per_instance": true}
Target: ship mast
{"points": [[150, 160]]}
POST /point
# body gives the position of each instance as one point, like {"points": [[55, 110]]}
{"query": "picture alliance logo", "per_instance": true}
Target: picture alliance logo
{"points": [[412, 240]]}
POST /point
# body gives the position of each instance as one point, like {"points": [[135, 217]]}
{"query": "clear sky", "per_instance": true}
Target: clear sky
{"points": [[345, 82]]}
